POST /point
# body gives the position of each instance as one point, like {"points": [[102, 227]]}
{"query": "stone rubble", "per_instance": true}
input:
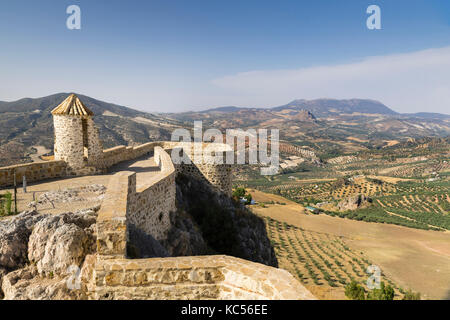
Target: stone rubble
{"points": [[69, 195]]}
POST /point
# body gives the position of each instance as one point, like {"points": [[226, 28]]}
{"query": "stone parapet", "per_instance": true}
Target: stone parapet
{"points": [[144, 210], [119, 154], [199, 277], [216, 175], [33, 171], [151, 204], [112, 216]]}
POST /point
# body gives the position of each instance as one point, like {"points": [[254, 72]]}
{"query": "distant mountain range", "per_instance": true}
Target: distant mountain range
{"points": [[321, 123], [328, 107], [328, 126]]}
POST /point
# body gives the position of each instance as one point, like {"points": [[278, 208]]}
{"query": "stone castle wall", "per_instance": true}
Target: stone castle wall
{"points": [[200, 277], [69, 140], [110, 275], [149, 207], [33, 171], [72, 134], [95, 147], [217, 175], [122, 153], [145, 210]]}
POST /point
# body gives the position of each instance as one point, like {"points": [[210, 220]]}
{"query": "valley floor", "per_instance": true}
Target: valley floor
{"points": [[411, 258]]}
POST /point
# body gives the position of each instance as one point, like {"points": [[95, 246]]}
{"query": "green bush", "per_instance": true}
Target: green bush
{"points": [[354, 291], [6, 204], [410, 295], [239, 192], [384, 293]]}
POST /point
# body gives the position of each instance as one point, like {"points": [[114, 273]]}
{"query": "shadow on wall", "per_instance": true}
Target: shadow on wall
{"points": [[143, 245], [128, 165], [227, 227], [206, 222], [143, 169]]}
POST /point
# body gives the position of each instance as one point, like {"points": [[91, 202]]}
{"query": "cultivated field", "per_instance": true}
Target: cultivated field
{"points": [[325, 252]]}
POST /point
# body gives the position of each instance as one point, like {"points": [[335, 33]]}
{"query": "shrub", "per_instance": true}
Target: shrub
{"points": [[410, 295], [354, 291], [384, 293], [5, 204], [239, 192]]}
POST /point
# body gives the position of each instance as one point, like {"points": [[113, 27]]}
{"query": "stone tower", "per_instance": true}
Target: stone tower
{"points": [[76, 137]]}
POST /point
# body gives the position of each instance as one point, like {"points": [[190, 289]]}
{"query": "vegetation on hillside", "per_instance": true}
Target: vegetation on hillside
{"points": [[6, 204], [325, 260]]}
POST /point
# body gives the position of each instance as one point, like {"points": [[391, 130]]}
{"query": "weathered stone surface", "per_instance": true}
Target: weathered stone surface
{"points": [[3, 272], [229, 228], [33, 171], [14, 235], [69, 195], [60, 241], [67, 246], [201, 277], [354, 202], [184, 237], [24, 284]]}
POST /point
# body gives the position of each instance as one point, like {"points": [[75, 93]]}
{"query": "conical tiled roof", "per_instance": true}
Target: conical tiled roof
{"points": [[72, 106]]}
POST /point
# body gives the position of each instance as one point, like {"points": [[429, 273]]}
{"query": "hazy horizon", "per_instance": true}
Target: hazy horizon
{"points": [[205, 108]]}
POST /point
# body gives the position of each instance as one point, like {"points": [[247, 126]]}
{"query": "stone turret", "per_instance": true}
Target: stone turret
{"points": [[76, 137]]}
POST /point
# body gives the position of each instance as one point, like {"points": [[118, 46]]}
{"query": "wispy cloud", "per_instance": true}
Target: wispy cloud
{"points": [[408, 82]]}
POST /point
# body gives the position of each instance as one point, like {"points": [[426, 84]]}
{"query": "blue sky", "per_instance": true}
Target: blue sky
{"points": [[184, 55]]}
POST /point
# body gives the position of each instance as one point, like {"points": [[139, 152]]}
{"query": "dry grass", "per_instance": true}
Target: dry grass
{"points": [[412, 258], [324, 263]]}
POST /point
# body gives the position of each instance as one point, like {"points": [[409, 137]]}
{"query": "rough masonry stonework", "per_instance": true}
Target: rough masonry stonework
{"points": [[110, 274]]}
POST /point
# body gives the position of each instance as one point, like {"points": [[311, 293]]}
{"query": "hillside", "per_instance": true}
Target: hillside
{"points": [[327, 107], [27, 122], [329, 127]]}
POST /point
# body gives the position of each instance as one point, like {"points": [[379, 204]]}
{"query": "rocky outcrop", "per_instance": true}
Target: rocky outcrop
{"points": [[354, 202], [226, 227], [60, 241], [184, 238], [39, 251], [24, 284], [14, 236], [3, 272]]}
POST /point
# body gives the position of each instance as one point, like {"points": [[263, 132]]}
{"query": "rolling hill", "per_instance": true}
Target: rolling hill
{"points": [[328, 126], [27, 122]]}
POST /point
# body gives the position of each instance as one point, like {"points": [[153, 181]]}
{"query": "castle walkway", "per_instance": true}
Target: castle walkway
{"points": [[75, 193]]}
